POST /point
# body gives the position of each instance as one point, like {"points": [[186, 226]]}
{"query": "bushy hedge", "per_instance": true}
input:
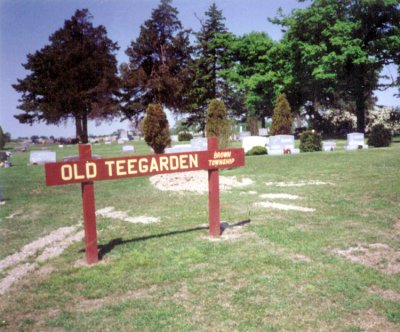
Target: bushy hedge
{"points": [[310, 141], [257, 150], [156, 128], [282, 118], [379, 136], [184, 136], [217, 123]]}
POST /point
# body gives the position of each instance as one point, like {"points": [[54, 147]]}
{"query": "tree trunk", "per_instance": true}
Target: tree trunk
{"points": [[360, 111], [81, 128], [78, 127], [84, 137], [253, 125], [263, 122]]}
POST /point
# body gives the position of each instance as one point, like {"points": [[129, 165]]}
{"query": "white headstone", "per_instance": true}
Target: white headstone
{"points": [[280, 144], [42, 157], [128, 148], [355, 141], [244, 134], [263, 131], [179, 148], [251, 141], [328, 146], [199, 142]]}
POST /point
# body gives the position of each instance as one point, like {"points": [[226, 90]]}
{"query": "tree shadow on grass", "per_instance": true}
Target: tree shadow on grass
{"points": [[104, 249]]}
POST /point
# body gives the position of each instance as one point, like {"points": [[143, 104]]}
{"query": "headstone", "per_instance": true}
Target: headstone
{"points": [[355, 141], [328, 146], [199, 142], [263, 131], [174, 138], [107, 142], [42, 157], [251, 141], [244, 134], [20, 148], [179, 148], [123, 136], [76, 157], [281, 144], [128, 148]]}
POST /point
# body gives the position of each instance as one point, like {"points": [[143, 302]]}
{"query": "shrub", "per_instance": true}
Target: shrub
{"points": [[310, 141], [257, 150], [217, 123], [156, 129], [379, 136], [282, 118], [184, 136]]}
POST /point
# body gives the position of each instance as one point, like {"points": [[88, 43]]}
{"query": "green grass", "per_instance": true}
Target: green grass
{"points": [[169, 276]]}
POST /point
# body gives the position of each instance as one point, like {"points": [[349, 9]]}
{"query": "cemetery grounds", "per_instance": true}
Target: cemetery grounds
{"points": [[312, 243]]}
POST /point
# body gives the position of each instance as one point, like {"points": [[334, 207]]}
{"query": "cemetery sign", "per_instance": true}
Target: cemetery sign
{"points": [[86, 170]]}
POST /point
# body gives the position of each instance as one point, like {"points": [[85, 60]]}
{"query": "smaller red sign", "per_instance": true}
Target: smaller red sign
{"points": [[123, 167]]}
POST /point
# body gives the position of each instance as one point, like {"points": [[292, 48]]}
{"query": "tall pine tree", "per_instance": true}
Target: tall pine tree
{"points": [[211, 59], [158, 63]]}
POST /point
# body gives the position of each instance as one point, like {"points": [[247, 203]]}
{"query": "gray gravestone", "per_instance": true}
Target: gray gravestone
{"points": [[42, 157]]}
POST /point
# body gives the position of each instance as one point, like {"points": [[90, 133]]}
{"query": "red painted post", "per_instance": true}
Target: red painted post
{"points": [[213, 194], [89, 211]]}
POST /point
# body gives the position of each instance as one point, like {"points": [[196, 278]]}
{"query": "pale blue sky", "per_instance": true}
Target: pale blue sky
{"points": [[25, 26]]}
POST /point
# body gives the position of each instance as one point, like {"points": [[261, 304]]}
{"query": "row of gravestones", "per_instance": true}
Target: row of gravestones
{"points": [[281, 144], [276, 145]]}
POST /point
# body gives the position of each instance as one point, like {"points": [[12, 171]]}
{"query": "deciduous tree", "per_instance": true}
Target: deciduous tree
{"points": [[340, 47]]}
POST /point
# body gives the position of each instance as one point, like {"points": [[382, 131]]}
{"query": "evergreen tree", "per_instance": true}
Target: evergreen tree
{"points": [[156, 128], [158, 69], [282, 118], [3, 138], [211, 59], [218, 123], [75, 76]]}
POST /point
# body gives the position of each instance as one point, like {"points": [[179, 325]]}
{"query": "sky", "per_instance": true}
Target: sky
{"points": [[25, 26]]}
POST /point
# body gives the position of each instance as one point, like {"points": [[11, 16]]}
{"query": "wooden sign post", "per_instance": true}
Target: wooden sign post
{"points": [[87, 170]]}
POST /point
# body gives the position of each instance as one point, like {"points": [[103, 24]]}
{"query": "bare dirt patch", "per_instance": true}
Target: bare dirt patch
{"points": [[110, 212], [279, 196], [233, 231], [33, 247], [93, 304], [299, 258], [369, 320], [284, 207], [14, 214], [386, 294], [298, 184], [377, 255], [194, 181], [49, 246], [250, 192], [14, 275]]}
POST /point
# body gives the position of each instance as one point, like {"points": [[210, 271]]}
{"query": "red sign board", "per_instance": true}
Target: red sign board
{"points": [[87, 170], [117, 168]]}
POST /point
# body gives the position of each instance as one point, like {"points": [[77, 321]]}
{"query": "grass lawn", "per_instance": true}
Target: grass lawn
{"points": [[333, 268]]}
